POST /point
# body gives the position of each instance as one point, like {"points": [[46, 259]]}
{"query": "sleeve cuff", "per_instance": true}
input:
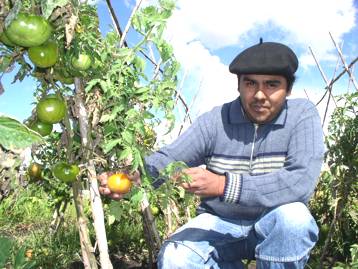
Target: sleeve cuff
{"points": [[232, 189]]}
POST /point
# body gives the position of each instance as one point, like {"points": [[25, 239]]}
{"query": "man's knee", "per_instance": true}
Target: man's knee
{"points": [[295, 217], [289, 221]]}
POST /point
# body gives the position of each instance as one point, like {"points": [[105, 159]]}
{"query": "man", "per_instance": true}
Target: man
{"points": [[263, 155]]}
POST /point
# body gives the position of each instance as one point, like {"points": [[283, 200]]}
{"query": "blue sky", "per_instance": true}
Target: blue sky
{"points": [[208, 34]]}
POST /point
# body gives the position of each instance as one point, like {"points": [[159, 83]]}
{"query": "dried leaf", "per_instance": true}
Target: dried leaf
{"points": [[70, 29]]}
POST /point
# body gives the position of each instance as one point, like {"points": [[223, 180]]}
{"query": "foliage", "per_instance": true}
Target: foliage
{"points": [[15, 135], [335, 203]]}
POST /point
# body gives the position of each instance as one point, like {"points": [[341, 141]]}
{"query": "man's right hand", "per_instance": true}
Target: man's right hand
{"points": [[104, 190]]}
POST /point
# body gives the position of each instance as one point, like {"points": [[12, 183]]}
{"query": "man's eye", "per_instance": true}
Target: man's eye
{"points": [[272, 85], [250, 83]]}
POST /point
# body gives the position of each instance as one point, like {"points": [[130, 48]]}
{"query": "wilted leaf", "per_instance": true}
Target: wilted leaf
{"points": [[15, 135], [48, 6]]}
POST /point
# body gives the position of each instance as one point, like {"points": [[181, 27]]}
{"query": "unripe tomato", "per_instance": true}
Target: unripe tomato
{"points": [[44, 55], [155, 210], [65, 172], [28, 30], [5, 40], [119, 183], [34, 170], [42, 128], [81, 63], [51, 109]]}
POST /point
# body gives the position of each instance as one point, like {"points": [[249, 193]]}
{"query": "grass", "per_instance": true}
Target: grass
{"points": [[25, 217]]}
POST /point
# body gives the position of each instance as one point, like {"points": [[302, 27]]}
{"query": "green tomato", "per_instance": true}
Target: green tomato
{"points": [[41, 127], [28, 30], [5, 40], [65, 172], [51, 109], [44, 55], [81, 63]]}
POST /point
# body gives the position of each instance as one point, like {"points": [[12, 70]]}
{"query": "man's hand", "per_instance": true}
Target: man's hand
{"points": [[104, 190], [204, 182]]}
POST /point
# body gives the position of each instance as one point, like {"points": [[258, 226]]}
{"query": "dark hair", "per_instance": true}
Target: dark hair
{"points": [[290, 81]]}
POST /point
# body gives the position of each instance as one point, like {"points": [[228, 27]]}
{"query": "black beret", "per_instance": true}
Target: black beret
{"points": [[266, 58]]}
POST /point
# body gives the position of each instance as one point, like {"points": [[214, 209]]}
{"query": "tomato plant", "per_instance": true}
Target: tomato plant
{"points": [[119, 183], [44, 55], [82, 62], [28, 30], [41, 127], [51, 109], [66, 172]]}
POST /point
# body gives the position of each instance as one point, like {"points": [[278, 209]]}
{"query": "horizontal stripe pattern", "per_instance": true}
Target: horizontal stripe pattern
{"points": [[260, 165]]}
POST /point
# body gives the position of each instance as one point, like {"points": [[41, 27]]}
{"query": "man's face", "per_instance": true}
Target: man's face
{"points": [[262, 96]]}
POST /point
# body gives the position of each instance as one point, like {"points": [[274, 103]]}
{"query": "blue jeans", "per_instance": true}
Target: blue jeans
{"points": [[282, 238]]}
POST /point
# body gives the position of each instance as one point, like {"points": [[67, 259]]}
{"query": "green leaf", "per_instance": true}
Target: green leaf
{"points": [[116, 210], [109, 145], [137, 197], [15, 135], [5, 249], [20, 259], [125, 153], [48, 6], [128, 137]]}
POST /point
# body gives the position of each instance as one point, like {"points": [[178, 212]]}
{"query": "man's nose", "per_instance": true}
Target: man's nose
{"points": [[260, 94]]}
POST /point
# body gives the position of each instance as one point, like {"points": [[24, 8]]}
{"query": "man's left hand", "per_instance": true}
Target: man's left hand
{"points": [[204, 182]]}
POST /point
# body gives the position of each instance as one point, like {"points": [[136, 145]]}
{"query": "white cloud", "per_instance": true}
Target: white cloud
{"points": [[198, 28]]}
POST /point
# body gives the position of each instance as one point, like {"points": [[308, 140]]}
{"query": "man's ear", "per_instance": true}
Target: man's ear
{"points": [[289, 90]]}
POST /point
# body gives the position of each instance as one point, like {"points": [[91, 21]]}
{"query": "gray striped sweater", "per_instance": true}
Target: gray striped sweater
{"points": [[265, 165]]}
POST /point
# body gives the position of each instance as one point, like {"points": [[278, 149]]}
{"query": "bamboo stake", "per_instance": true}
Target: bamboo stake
{"points": [[126, 29], [344, 63], [89, 260], [187, 115], [96, 202]]}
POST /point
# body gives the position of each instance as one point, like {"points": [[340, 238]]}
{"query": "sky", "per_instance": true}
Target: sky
{"points": [[207, 34]]}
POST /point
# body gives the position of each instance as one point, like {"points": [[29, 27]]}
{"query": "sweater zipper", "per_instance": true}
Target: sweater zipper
{"points": [[256, 126]]}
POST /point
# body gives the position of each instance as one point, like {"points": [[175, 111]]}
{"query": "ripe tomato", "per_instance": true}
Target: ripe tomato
{"points": [[81, 63], [41, 127], [5, 40], [44, 55], [34, 170], [51, 109], [65, 172], [28, 30], [119, 183]]}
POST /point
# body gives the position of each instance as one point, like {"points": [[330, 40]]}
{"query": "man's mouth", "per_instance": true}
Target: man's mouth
{"points": [[259, 108]]}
